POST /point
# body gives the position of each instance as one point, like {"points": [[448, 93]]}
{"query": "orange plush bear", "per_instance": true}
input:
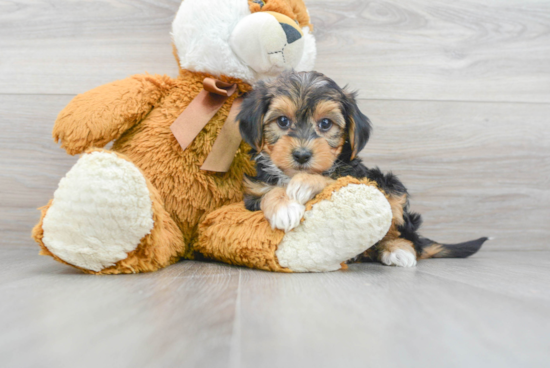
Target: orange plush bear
{"points": [[159, 194]]}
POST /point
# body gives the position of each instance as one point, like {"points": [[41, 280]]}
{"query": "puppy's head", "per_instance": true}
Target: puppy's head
{"points": [[304, 122]]}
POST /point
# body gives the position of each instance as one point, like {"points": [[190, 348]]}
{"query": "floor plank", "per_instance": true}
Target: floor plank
{"points": [[451, 313], [485, 272], [386, 317], [180, 314], [421, 49]]}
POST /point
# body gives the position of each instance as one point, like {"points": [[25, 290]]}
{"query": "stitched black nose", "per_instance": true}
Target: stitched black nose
{"points": [[301, 155], [291, 33]]}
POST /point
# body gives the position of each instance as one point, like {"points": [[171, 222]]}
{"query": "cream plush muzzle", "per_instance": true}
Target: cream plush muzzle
{"points": [[268, 43], [225, 38]]}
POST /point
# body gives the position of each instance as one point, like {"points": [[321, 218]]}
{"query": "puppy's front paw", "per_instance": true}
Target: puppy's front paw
{"points": [[300, 192], [398, 257], [303, 187], [282, 212], [287, 216]]}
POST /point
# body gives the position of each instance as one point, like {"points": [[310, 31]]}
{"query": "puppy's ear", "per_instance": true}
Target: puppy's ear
{"points": [[251, 116], [358, 125]]}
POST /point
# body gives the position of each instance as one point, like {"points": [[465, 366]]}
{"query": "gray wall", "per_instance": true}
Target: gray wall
{"points": [[459, 94]]}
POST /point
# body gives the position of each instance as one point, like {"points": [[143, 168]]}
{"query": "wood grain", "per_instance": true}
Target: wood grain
{"points": [[31, 165], [459, 94], [65, 318], [473, 169], [415, 50], [380, 316], [71, 46], [437, 50], [490, 310]]}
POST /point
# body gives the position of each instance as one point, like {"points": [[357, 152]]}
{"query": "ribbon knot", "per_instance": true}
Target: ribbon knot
{"points": [[218, 87], [199, 112]]}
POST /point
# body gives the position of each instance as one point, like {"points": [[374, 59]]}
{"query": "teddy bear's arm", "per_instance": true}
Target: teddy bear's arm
{"points": [[103, 114]]}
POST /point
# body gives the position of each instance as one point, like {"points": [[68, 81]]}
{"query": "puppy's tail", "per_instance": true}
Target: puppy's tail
{"points": [[426, 248], [431, 249]]}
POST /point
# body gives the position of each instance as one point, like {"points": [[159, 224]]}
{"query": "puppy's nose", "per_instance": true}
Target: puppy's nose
{"points": [[301, 155]]}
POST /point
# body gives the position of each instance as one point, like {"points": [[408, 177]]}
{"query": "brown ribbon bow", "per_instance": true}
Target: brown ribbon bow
{"points": [[199, 112]]}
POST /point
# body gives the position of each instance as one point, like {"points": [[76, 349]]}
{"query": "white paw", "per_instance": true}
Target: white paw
{"points": [[399, 257], [287, 217], [299, 191]]}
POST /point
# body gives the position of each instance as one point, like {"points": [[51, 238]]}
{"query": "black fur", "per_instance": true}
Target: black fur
{"points": [[263, 175], [252, 203], [251, 115], [359, 126], [461, 250], [390, 184]]}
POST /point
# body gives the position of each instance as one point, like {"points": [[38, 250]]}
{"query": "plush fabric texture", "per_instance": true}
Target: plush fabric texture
{"points": [[138, 112], [294, 9], [347, 218], [162, 247], [201, 32], [146, 184], [189, 193], [261, 41], [310, 52], [100, 196], [234, 235], [343, 221], [202, 29]]}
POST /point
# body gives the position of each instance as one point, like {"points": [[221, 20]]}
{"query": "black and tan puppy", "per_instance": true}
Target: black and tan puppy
{"points": [[306, 132]]}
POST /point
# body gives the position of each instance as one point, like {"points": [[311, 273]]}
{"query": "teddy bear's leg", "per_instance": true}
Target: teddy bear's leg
{"points": [[338, 225], [107, 218], [344, 220]]}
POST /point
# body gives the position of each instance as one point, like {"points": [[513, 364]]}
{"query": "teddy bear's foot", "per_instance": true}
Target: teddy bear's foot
{"points": [[100, 212], [336, 229]]}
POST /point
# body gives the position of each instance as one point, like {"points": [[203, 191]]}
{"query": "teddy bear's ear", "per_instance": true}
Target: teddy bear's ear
{"points": [[358, 125], [251, 116]]}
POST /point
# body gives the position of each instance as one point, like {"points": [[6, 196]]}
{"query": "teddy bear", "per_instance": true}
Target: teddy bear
{"points": [[171, 185]]}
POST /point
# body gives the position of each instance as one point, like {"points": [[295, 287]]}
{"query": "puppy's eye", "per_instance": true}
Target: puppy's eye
{"points": [[325, 125], [283, 122]]}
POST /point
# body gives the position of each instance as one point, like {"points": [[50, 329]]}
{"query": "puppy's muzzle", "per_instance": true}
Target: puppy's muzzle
{"points": [[302, 155]]}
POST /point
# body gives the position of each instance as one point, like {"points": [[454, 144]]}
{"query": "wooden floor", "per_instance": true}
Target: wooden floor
{"points": [[492, 310], [459, 95]]}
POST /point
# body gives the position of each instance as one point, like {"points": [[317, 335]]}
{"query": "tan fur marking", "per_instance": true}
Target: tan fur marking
{"points": [[255, 188], [330, 110], [316, 182], [281, 106], [393, 245], [352, 138], [433, 251], [397, 207], [281, 153], [324, 155]]}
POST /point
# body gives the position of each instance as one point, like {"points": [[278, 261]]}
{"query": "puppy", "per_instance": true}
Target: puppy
{"points": [[305, 132]]}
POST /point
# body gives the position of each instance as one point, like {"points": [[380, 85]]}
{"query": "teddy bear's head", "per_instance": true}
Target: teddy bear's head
{"points": [[245, 39]]}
